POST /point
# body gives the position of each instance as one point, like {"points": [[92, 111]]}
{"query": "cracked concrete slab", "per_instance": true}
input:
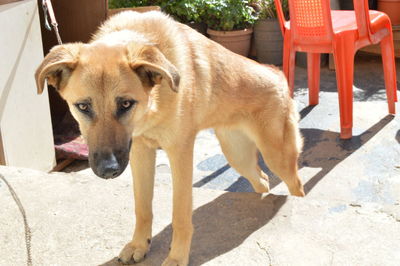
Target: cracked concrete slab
{"points": [[79, 219]]}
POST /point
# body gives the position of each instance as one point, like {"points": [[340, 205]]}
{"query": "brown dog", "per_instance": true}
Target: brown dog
{"points": [[150, 81]]}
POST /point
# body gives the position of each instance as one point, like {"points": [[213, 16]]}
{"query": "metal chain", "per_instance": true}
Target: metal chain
{"points": [[28, 234], [48, 11]]}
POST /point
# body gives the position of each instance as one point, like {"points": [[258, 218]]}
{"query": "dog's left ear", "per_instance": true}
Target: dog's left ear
{"points": [[152, 66]]}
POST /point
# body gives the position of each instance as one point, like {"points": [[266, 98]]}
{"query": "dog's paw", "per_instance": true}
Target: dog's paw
{"points": [[133, 253], [174, 262], [262, 186]]}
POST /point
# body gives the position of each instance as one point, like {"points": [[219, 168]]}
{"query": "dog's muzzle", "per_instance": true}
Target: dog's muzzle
{"points": [[109, 164]]}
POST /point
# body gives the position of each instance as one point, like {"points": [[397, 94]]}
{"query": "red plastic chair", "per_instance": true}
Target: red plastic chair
{"points": [[315, 29]]}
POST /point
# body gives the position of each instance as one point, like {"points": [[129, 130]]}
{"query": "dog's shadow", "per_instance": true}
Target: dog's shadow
{"points": [[219, 226]]}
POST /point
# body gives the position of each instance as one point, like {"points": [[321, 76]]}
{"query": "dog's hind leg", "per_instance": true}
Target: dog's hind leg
{"points": [[280, 148], [241, 153]]}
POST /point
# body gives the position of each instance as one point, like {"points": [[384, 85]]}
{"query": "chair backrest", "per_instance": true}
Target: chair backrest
{"points": [[281, 17], [310, 21]]}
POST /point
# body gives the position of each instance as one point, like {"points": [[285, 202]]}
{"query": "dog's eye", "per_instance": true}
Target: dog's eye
{"points": [[84, 107], [126, 104]]}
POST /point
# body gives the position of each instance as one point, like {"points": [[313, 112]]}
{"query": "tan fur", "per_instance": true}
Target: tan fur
{"points": [[183, 83]]}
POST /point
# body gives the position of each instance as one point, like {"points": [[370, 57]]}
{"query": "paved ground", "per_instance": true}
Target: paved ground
{"points": [[350, 216]]}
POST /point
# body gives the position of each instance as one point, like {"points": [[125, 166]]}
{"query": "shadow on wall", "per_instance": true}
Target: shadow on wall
{"points": [[225, 222]]}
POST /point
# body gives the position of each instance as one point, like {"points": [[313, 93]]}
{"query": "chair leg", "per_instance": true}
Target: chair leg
{"points": [[344, 62], [286, 52], [389, 69], [313, 71], [292, 65], [289, 56]]}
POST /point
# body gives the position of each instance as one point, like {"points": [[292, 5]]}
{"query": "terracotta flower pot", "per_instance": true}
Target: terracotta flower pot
{"points": [[237, 41], [391, 8]]}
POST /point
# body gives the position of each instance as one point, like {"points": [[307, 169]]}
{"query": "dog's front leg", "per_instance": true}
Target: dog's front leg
{"points": [[181, 160], [142, 162]]}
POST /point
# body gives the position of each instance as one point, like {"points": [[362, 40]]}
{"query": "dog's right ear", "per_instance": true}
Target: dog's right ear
{"points": [[57, 66]]}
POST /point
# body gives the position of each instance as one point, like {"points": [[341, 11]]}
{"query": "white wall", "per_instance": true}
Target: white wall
{"points": [[25, 123]]}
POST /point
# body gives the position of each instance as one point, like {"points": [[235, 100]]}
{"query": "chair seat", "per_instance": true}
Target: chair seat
{"points": [[346, 21]]}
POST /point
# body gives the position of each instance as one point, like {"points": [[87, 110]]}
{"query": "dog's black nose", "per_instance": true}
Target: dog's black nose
{"points": [[107, 166]]}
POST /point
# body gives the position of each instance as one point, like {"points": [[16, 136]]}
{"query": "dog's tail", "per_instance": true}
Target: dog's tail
{"points": [[292, 131]]}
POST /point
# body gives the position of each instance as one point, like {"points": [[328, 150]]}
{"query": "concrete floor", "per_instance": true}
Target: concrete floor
{"points": [[350, 216]]}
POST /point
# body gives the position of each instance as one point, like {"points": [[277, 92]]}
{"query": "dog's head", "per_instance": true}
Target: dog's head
{"points": [[109, 92]]}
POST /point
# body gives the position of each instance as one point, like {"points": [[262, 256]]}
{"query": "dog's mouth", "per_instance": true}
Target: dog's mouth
{"points": [[109, 164]]}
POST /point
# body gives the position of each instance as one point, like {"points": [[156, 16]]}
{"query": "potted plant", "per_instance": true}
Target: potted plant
{"points": [[116, 6], [230, 23], [190, 12], [267, 33]]}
